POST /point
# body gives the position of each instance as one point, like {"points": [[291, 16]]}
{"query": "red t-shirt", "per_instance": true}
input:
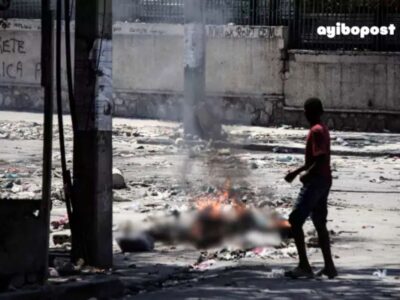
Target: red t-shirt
{"points": [[319, 142]]}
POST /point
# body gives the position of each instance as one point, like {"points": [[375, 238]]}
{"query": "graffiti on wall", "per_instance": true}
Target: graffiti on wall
{"points": [[19, 60], [212, 31], [233, 31]]}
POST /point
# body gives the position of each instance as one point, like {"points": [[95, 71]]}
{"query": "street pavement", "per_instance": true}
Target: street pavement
{"points": [[163, 175]]}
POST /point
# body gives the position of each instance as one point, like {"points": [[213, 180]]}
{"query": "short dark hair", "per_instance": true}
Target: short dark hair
{"points": [[314, 105]]}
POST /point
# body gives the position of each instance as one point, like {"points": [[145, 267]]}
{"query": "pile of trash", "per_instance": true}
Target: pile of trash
{"points": [[63, 267], [21, 130], [208, 259], [12, 185]]}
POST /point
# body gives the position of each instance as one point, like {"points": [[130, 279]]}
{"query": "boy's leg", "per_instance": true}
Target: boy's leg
{"points": [[297, 222], [319, 218], [305, 202]]}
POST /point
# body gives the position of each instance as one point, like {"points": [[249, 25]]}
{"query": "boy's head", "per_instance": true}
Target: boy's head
{"points": [[313, 110]]}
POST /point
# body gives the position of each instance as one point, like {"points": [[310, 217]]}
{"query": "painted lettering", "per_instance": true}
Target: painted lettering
{"points": [[13, 46], [12, 70]]}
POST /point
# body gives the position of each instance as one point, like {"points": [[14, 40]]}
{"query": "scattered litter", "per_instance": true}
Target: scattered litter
{"points": [[61, 238], [341, 141], [60, 224], [119, 197], [141, 242], [204, 265], [53, 273], [276, 273], [118, 179], [16, 188], [10, 175], [254, 166], [284, 158], [179, 142], [224, 152], [313, 242], [289, 252], [381, 274], [287, 159]]}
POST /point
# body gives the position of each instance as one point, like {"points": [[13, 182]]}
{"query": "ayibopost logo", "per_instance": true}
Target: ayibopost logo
{"points": [[342, 29]]}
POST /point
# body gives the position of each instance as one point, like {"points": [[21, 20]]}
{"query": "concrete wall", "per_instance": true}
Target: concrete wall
{"points": [[240, 60], [20, 53], [242, 71], [251, 78], [20, 48], [348, 80]]}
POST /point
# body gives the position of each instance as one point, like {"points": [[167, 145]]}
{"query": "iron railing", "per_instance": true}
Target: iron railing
{"points": [[302, 16], [240, 12], [29, 9], [24, 9]]}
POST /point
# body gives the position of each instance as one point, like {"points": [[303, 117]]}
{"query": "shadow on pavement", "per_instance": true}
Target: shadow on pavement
{"points": [[253, 283]]}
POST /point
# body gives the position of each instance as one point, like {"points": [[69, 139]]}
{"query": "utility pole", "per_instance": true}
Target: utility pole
{"points": [[194, 60], [92, 188], [199, 118]]}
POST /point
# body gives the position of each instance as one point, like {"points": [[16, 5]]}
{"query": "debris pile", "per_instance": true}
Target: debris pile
{"points": [[12, 185], [62, 267], [214, 217], [21, 130]]}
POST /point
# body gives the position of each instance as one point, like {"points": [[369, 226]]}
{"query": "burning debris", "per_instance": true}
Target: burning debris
{"points": [[214, 218]]}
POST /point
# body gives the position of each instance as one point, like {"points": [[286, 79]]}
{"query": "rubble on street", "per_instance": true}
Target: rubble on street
{"points": [[160, 178]]}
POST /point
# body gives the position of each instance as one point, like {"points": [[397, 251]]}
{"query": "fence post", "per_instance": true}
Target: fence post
{"points": [[253, 12], [294, 27], [380, 16], [273, 12]]}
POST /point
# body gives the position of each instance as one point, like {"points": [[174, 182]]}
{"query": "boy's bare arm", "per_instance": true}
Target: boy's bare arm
{"points": [[311, 170], [292, 175]]}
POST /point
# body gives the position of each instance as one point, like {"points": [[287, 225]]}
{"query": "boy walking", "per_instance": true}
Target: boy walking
{"points": [[313, 197]]}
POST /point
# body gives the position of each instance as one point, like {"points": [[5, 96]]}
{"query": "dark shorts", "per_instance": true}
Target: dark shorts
{"points": [[312, 201]]}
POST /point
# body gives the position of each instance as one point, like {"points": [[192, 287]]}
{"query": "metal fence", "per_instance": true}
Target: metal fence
{"points": [[302, 16], [29, 9], [241, 12], [24, 9]]}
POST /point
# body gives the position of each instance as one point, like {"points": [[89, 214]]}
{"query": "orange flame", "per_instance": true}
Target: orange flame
{"points": [[215, 203]]}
